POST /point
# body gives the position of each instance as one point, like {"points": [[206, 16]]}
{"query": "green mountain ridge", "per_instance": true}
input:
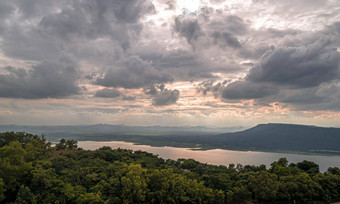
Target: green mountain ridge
{"points": [[281, 137]]}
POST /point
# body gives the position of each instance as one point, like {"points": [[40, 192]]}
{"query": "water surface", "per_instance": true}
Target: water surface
{"points": [[217, 156]]}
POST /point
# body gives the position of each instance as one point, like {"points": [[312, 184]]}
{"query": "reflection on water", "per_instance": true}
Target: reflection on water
{"points": [[217, 156]]}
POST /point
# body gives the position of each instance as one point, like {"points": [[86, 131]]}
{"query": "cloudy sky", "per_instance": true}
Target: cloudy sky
{"points": [[167, 62]]}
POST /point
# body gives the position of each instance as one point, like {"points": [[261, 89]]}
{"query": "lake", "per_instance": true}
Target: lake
{"points": [[217, 156]]}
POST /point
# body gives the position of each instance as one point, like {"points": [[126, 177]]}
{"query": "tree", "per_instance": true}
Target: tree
{"points": [[90, 198], [13, 167], [25, 196], [61, 145], [299, 187], [66, 144], [2, 190], [333, 170], [308, 167], [264, 185], [134, 184]]}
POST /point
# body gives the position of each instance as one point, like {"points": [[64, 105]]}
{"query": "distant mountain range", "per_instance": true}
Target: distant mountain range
{"points": [[116, 129], [263, 137]]}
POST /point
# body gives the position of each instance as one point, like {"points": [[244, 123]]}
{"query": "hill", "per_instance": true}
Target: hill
{"points": [[263, 137], [281, 137]]}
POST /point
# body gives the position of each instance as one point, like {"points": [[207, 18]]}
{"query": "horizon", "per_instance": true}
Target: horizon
{"points": [[170, 63], [173, 126]]}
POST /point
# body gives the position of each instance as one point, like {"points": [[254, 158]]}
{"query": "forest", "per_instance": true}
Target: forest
{"points": [[34, 171]]}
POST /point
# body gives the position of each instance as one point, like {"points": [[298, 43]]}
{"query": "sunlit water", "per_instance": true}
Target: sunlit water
{"points": [[217, 156]]}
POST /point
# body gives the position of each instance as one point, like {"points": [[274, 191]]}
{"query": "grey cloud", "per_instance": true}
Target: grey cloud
{"points": [[165, 97], [162, 96], [5, 9], [34, 8], [113, 93], [188, 28], [303, 71], [29, 45], [64, 26], [324, 97], [118, 19], [211, 86], [247, 90], [298, 67], [133, 73], [231, 24], [154, 89], [301, 96], [276, 33], [225, 39], [187, 66], [45, 80], [129, 11], [128, 98], [108, 93]]}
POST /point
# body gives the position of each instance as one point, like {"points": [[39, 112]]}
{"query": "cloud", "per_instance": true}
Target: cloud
{"points": [[247, 90], [45, 80], [162, 96], [113, 93], [211, 86], [43, 30], [29, 45], [303, 71], [298, 67], [128, 98], [108, 93], [225, 39], [165, 97], [133, 73], [5, 9], [231, 24], [188, 28]]}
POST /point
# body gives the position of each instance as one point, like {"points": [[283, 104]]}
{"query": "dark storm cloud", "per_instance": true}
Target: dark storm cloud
{"points": [[133, 73], [108, 93], [188, 27], [46, 80]]}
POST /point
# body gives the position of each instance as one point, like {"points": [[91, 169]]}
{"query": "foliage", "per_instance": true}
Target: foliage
{"points": [[32, 171]]}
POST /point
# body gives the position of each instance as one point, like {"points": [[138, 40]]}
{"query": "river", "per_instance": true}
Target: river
{"points": [[217, 156]]}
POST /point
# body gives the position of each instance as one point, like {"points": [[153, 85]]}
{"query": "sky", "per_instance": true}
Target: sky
{"points": [[167, 62]]}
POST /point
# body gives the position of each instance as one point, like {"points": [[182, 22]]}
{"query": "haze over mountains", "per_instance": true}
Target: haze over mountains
{"points": [[263, 137], [117, 129]]}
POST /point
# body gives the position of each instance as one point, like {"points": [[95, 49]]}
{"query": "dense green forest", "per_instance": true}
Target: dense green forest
{"points": [[32, 171]]}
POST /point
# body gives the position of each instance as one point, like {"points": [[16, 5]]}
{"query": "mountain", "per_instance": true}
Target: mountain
{"points": [[104, 129], [280, 137], [263, 137]]}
